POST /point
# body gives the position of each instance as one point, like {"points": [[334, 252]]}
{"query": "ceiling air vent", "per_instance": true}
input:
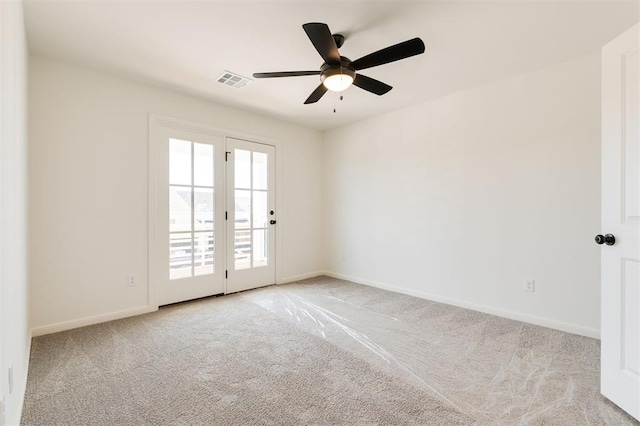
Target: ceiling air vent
{"points": [[234, 80]]}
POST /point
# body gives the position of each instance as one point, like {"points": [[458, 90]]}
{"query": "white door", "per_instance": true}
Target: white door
{"points": [[189, 215], [251, 220], [620, 327]]}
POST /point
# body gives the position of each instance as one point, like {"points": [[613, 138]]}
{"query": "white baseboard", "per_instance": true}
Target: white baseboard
{"points": [[295, 278], [97, 319], [531, 319]]}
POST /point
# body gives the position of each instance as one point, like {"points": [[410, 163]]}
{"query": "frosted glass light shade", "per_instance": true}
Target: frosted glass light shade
{"points": [[337, 82]]}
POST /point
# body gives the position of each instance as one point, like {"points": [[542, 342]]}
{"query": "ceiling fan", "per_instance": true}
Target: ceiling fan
{"points": [[338, 72]]}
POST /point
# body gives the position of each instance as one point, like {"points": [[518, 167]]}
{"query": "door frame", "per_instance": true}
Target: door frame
{"points": [[157, 121]]}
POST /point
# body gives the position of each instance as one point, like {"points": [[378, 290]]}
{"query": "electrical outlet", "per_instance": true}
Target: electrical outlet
{"points": [[10, 379], [529, 285], [131, 280]]}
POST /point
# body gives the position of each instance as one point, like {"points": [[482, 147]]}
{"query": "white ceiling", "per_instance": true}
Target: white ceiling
{"points": [[185, 45]]}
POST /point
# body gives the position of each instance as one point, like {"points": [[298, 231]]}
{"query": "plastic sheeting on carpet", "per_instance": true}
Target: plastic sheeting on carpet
{"points": [[495, 370]]}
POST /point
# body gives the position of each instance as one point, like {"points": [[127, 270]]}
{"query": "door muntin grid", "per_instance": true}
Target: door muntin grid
{"points": [[251, 242], [191, 209]]}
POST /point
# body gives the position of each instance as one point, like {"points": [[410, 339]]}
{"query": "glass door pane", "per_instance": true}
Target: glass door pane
{"points": [[191, 209], [251, 215]]}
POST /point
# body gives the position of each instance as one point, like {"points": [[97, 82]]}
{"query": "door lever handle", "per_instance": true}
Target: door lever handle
{"points": [[272, 222]]}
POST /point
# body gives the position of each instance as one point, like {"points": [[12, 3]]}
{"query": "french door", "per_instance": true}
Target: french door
{"points": [[251, 215], [214, 214]]}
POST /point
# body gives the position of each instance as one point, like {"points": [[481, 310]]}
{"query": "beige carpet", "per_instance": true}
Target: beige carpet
{"points": [[322, 351]]}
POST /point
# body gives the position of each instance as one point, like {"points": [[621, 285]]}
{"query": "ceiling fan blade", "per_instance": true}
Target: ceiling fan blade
{"points": [[393, 53], [316, 95], [371, 85], [284, 74], [323, 41]]}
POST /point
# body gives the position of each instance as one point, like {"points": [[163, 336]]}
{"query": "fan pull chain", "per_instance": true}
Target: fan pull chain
{"points": [[334, 102]]}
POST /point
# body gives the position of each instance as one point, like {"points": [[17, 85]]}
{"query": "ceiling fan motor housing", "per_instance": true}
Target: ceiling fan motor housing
{"points": [[344, 67]]}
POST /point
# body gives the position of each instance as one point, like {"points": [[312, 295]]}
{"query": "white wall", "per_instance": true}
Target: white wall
{"points": [[463, 198], [14, 329], [457, 200], [88, 161]]}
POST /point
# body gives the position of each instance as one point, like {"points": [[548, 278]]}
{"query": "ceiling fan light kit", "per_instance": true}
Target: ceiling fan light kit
{"points": [[337, 82], [337, 72]]}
